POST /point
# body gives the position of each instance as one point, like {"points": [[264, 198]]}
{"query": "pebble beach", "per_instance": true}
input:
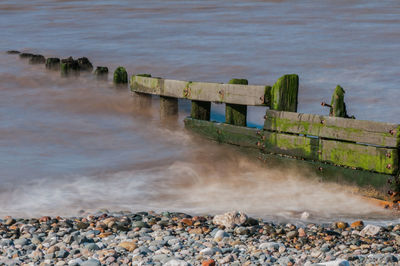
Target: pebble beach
{"points": [[168, 238]]}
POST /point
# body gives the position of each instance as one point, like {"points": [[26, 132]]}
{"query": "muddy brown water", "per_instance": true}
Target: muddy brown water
{"points": [[73, 144]]}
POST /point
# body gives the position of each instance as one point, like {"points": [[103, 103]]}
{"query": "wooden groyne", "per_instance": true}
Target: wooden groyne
{"points": [[336, 147], [364, 153]]}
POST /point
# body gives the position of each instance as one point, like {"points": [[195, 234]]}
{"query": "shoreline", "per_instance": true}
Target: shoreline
{"points": [[171, 238]]}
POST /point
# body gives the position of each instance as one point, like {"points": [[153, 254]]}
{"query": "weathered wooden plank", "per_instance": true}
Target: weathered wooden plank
{"points": [[371, 158], [225, 133], [200, 91], [361, 131], [284, 93], [246, 140], [168, 108]]}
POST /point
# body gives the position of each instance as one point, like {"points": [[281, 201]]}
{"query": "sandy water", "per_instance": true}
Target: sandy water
{"points": [[69, 145]]}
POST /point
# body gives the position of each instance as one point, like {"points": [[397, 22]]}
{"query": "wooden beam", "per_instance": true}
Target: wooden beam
{"points": [[200, 91], [360, 131], [370, 158], [200, 110], [168, 108]]}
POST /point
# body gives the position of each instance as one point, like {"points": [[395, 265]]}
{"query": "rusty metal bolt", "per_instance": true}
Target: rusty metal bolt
{"points": [[392, 131], [258, 144], [388, 155], [322, 121], [263, 137], [258, 132], [265, 116], [325, 104], [262, 98], [320, 169], [389, 166]]}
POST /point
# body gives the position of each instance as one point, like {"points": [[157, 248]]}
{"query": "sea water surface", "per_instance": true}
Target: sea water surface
{"points": [[76, 144]]}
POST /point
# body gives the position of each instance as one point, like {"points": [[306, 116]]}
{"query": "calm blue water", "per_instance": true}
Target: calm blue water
{"points": [[68, 144]]}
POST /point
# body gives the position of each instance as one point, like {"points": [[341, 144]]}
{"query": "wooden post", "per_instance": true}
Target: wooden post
{"points": [[101, 73], [168, 107], [143, 100], [284, 93], [53, 63], [338, 107], [120, 76], [201, 110], [235, 114]]}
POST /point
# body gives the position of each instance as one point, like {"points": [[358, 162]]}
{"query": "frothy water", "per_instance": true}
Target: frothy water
{"points": [[72, 144]]}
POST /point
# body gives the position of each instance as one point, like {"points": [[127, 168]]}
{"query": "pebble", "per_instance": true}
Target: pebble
{"points": [[148, 238]]}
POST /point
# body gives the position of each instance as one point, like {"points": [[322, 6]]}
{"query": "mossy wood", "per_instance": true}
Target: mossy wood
{"points": [[53, 63], [370, 158], [338, 107], [251, 141], [120, 76], [101, 73], [224, 133], [236, 114], [200, 110], [284, 93], [168, 107], [68, 67], [200, 91], [360, 131]]}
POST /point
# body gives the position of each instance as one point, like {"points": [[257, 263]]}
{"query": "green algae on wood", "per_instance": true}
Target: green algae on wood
{"points": [[85, 64], [376, 159], [53, 63], [37, 59], [69, 67], [361, 131], [284, 93], [338, 106], [200, 110], [120, 76], [101, 73], [236, 114], [224, 133], [200, 91]]}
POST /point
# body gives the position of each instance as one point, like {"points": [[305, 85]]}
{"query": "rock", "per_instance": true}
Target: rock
{"points": [[357, 224], [387, 250], [241, 230], [21, 241], [338, 262], [13, 52], [196, 231], [53, 63], [92, 247], [207, 251], [91, 262], [129, 246], [230, 219], [10, 221], [304, 216], [220, 235], [292, 234], [37, 59], [120, 76], [209, 262], [370, 230], [187, 222], [271, 246], [85, 64], [175, 262], [82, 225], [301, 232], [101, 73], [341, 225], [140, 224]]}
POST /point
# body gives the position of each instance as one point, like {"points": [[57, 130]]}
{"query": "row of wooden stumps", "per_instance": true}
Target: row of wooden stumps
{"points": [[73, 67], [281, 96]]}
